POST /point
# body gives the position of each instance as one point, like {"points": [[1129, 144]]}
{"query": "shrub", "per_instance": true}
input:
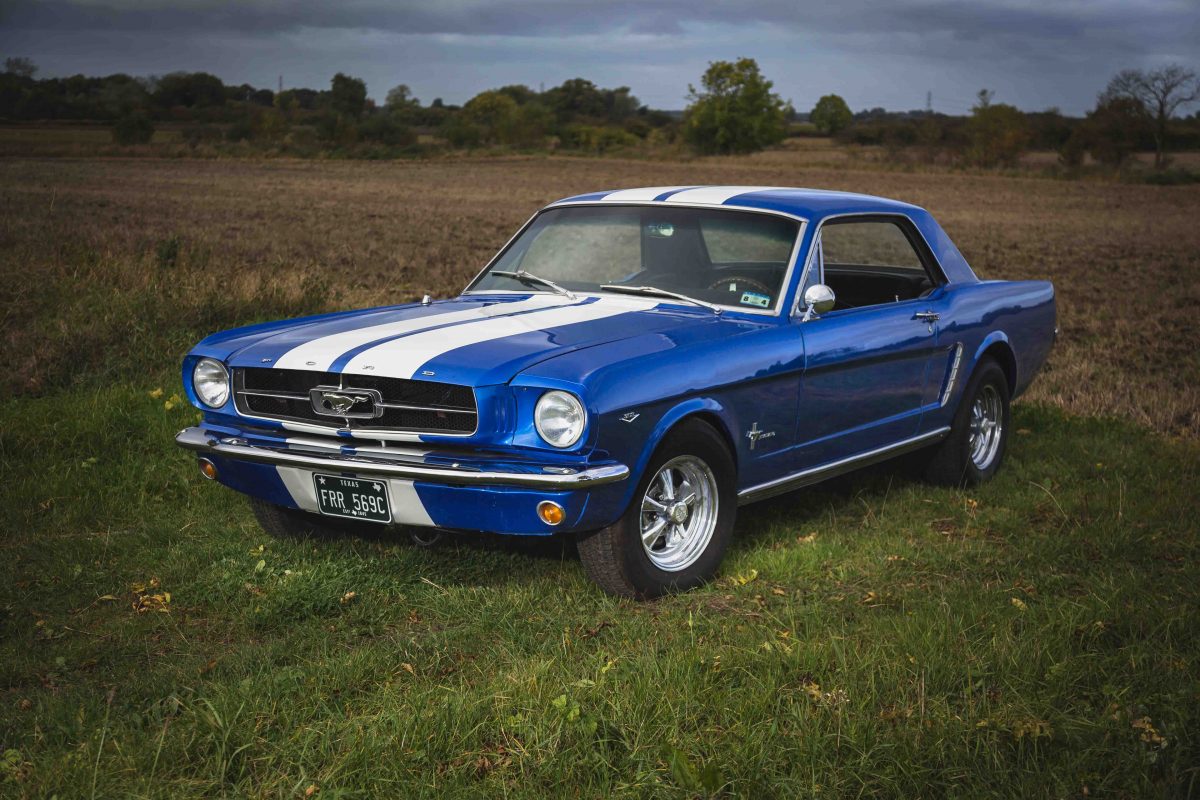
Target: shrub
{"points": [[597, 139], [241, 130], [387, 130], [135, 128], [196, 135]]}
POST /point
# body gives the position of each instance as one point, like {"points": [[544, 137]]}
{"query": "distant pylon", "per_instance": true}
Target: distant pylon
{"points": [[281, 83], [929, 102]]}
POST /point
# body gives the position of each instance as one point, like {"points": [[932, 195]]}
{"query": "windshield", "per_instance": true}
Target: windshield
{"points": [[737, 259]]}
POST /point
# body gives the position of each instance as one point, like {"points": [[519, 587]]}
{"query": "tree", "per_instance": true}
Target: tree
{"points": [[495, 114], [831, 114], [348, 96], [20, 66], [400, 97], [1112, 132], [1161, 92], [736, 112], [189, 89], [997, 132]]}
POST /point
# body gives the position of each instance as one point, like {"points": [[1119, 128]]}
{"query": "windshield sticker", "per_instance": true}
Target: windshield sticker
{"points": [[756, 299], [664, 230]]}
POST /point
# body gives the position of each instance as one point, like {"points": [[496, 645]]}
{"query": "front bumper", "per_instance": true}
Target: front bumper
{"points": [[454, 473], [464, 491]]}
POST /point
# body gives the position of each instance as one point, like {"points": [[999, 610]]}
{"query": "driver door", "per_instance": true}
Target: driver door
{"points": [[867, 362]]}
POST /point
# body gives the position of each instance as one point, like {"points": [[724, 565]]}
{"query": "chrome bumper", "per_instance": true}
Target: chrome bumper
{"points": [[561, 479]]}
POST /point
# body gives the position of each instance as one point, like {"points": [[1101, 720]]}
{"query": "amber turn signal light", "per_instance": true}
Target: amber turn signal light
{"points": [[207, 468], [550, 512]]}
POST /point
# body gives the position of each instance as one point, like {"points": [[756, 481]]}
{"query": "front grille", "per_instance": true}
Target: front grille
{"points": [[408, 405]]}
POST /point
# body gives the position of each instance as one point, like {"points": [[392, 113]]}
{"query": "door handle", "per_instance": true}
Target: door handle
{"points": [[927, 316]]}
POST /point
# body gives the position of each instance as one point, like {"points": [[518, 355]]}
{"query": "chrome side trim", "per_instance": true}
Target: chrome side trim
{"points": [[958, 351], [807, 477], [335, 461]]}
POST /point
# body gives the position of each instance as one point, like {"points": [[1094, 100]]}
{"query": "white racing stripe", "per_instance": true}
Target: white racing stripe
{"points": [[402, 358], [714, 195], [406, 505], [639, 195], [320, 353]]}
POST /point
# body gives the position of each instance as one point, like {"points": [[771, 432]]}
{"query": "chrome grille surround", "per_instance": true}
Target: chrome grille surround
{"points": [[403, 406]]}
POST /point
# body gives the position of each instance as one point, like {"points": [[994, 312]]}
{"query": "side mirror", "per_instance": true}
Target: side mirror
{"points": [[817, 300]]}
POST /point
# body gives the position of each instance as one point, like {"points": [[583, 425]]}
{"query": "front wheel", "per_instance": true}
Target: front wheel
{"points": [[973, 451], [674, 533]]}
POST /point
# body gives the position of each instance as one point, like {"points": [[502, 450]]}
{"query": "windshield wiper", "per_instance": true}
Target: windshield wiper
{"points": [[528, 278], [654, 290]]}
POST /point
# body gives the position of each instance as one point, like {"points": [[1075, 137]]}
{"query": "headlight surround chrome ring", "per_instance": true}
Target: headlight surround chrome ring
{"points": [[560, 418], [210, 379]]}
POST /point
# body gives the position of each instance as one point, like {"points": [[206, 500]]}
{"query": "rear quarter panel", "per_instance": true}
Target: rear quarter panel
{"points": [[1019, 315]]}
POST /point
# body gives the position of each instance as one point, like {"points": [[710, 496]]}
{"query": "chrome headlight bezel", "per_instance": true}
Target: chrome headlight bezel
{"points": [[210, 382], [560, 418]]}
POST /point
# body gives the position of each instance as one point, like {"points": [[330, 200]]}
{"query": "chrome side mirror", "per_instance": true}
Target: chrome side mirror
{"points": [[817, 300]]}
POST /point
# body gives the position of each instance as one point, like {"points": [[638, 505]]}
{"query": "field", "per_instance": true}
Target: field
{"points": [[874, 636]]}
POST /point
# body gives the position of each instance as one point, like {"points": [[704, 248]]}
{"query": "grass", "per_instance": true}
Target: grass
{"points": [[873, 636]]}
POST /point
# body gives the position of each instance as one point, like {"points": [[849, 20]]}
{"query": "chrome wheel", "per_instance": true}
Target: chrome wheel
{"points": [[679, 513], [986, 427]]}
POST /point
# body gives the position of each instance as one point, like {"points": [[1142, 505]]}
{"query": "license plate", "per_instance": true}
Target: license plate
{"points": [[352, 498]]}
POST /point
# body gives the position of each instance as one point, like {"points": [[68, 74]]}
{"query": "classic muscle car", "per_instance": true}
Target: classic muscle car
{"points": [[630, 368]]}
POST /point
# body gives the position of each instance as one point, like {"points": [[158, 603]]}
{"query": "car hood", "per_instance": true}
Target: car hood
{"points": [[475, 340]]}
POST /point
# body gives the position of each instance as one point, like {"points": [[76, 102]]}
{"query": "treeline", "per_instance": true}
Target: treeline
{"points": [[576, 114], [733, 111], [1137, 111]]}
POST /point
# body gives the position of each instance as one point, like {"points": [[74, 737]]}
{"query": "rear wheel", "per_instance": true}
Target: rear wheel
{"points": [[674, 533], [974, 450]]}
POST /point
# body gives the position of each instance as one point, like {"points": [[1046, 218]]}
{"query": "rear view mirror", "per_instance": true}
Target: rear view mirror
{"points": [[817, 300]]}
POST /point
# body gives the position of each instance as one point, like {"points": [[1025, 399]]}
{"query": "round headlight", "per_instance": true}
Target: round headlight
{"points": [[559, 418], [210, 379]]}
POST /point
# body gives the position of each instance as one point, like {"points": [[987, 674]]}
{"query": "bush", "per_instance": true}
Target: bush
{"points": [[135, 128], [460, 132], [596, 139], [196, 135], [387, 130], [241, 130]]}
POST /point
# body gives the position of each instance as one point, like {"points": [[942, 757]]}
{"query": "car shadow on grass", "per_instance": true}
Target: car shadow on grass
{"points": [[483, 559]]}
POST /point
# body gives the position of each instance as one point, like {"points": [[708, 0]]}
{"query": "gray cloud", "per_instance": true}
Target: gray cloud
{"points": [[887, 53]]}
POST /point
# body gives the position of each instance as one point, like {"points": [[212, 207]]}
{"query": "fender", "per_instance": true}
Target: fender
{"points": [[673, 416], [993, 338]]}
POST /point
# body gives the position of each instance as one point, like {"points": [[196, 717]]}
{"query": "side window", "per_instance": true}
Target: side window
{"points": [[870, 262]]}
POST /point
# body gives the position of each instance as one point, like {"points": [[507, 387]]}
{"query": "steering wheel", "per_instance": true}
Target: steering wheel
{"points": [[740, 283]]}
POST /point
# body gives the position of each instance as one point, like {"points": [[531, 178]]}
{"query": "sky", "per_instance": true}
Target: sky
{"points": [[889, 53]]}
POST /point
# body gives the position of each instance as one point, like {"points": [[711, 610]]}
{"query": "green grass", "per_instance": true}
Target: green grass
{"points": [[874, 636]]}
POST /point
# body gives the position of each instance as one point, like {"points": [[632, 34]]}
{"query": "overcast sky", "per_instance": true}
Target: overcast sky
{"points": [[1034, 54]]}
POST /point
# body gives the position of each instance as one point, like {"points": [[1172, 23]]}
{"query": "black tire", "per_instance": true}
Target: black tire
{"points": [[950, 463], [614, 557], [291, 523]]}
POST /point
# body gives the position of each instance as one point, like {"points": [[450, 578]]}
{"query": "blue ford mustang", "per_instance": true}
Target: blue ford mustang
{"points": [[631, 367]]}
